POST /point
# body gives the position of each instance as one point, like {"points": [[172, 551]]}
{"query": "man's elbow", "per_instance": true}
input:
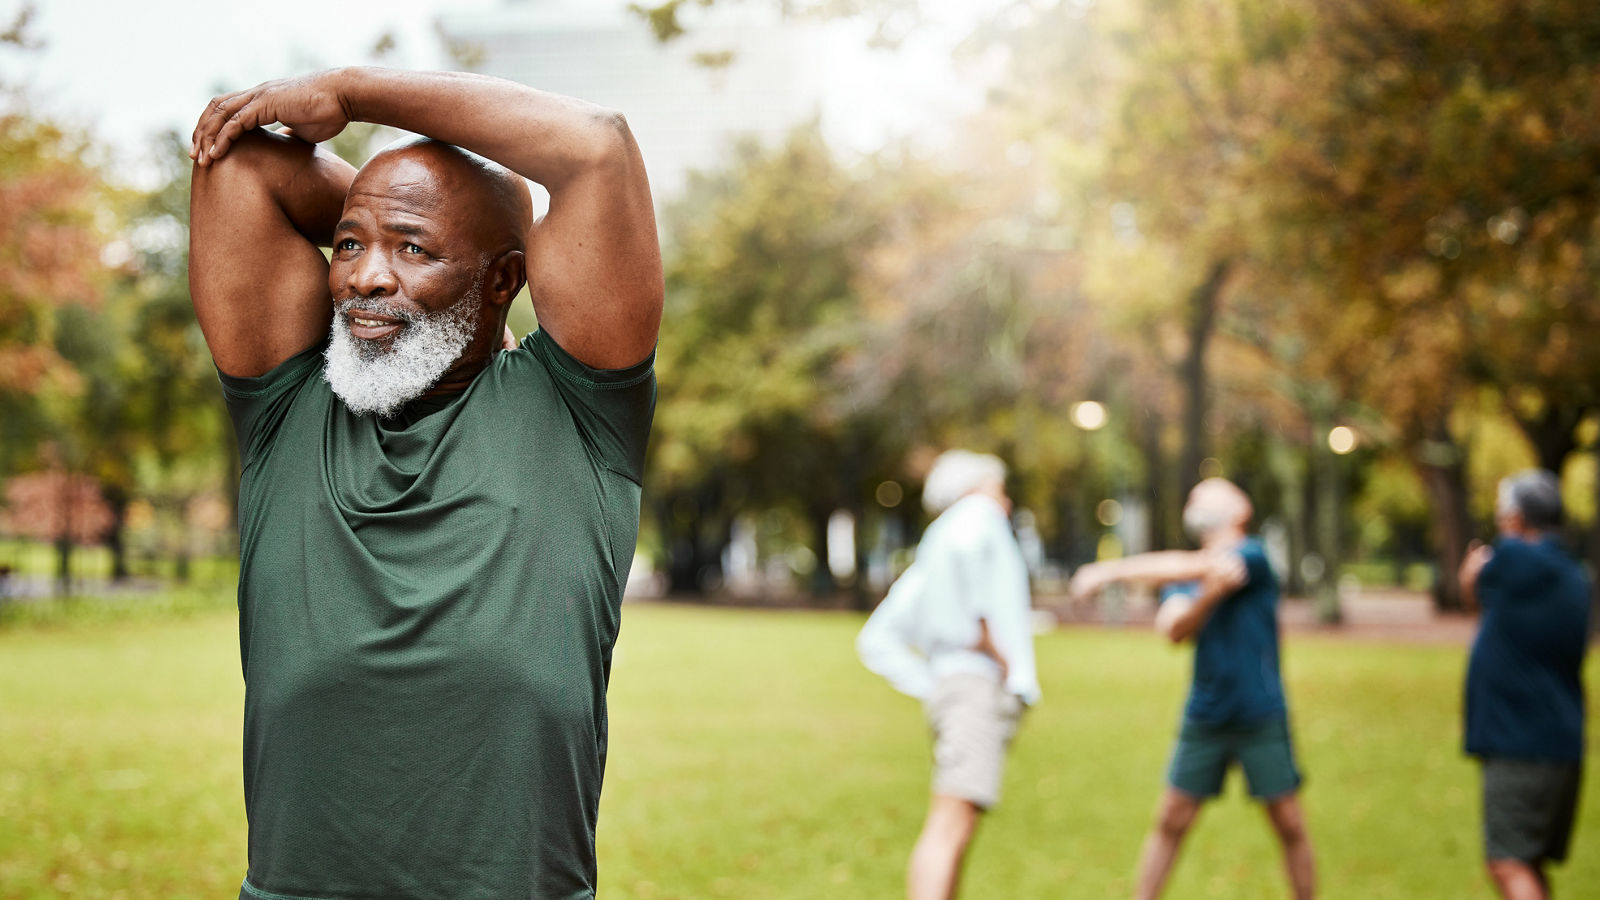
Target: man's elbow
{"points": [[258, 159], [607, 139], [1178, 631]]}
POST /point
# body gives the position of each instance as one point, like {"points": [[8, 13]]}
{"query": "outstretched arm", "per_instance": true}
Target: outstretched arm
{"points": [[258, 281], [1220, 574], [1150, 569], [594, 262]]}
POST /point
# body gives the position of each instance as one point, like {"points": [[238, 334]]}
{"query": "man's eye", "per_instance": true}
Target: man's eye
{"points": [[411, 248], [346, 244]]}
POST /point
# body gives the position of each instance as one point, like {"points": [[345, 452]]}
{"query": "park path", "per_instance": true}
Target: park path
{"points": [[1369, 615]]}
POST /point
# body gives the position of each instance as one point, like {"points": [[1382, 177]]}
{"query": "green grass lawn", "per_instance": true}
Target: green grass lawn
{"points": [[752, 757]]}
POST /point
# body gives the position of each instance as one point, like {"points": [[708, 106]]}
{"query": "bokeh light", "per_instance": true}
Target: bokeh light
{"points": [[1089, 415], [889, 494], [1342, 439], [1109, 512]]}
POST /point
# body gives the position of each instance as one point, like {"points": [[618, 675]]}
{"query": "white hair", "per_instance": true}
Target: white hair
{"points": [[379, 377], [1535, 494], [957, 473]]}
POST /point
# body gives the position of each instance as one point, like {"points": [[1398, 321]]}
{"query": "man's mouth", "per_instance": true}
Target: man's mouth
{"points": [[370, 326]]}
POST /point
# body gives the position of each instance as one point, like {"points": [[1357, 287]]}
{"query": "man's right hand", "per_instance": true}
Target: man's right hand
{"points": [[310, 105], [1477, 556]]}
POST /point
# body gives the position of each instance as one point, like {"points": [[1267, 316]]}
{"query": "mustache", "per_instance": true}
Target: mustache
{"points": [[376, 305]]}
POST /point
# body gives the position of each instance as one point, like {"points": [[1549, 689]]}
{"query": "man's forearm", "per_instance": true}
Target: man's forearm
{"points": [[1154, 569], [1189, 622], [306, 184], [548, 138]]}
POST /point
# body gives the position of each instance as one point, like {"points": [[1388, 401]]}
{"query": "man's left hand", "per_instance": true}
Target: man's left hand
{"points": [[986, 646], [309, 105]]}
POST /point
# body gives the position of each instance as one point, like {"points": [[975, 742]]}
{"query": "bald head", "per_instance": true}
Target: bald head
{"points": [[487, 201], [1216, 504]]}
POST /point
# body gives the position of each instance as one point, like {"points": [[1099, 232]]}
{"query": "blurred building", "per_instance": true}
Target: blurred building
{"points": [[740, 70]]}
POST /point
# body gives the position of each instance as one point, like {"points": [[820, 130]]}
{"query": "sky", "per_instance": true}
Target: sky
{"points": [[130, 70]]}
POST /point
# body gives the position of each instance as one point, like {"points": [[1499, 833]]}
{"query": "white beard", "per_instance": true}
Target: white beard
{"points": [[383, 376]]}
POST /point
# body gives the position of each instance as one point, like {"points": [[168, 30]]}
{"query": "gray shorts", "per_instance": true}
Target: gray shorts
{"points": [[1528, 809], [973, 720]]}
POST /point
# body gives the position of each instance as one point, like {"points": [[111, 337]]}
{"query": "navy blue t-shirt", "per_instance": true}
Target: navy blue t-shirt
{"points": [[1236, 678], [1524, 682]]}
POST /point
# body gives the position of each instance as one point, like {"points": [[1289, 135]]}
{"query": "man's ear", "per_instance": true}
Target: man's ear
{"points": [[507, 274]]}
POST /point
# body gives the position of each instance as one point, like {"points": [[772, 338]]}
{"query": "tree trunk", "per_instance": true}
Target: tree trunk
{"points": [[1287, 471], [694, 560], [1192, 373], [1553, 434], [860, 590], [1155, 467], [822, 583], [851, 478], [64, 539], [63, 566], [117, 540], [1442, 464]]}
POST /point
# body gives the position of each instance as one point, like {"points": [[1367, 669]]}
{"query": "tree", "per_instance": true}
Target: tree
{"points": [[1428, 193], [761, 293], [65, 510]]}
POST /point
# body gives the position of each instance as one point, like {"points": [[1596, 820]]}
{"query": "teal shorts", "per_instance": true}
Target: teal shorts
{"points": [[1262, 749]]}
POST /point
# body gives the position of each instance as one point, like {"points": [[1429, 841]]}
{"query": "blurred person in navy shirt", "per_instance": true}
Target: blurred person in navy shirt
{"points": [[1524, 693], [1224, 596]]}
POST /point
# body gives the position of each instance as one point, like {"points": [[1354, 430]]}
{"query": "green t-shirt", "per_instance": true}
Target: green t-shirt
{"points": [[427, 608]]}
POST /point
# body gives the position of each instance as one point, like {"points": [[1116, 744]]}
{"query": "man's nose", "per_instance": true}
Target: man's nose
{"points": [[372, 275]]}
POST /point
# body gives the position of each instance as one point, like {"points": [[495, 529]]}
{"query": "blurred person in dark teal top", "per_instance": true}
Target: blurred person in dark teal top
{"points": [[1225, 597], [1524, 692]]}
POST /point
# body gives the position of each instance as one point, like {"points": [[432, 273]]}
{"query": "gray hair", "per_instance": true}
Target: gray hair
{"points": [[957, 473], [1535, 494]]}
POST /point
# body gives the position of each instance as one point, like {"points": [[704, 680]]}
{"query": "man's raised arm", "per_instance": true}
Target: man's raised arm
{"points": [[1155, 569], [1219, 572], [258, 281], [594, 262]]}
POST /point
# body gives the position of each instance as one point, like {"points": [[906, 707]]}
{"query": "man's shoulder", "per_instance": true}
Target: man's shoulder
{"points": [[1259, 566], [1518, 561], [971, 523], [298, 369], [1252, 548]]}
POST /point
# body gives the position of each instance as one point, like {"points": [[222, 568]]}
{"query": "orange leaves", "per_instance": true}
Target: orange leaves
{"points": [[49, 247], [49, 506]]}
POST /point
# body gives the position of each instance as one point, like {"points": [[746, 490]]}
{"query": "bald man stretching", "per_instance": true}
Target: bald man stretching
{"points": [[434, 534], [1225, 596]]}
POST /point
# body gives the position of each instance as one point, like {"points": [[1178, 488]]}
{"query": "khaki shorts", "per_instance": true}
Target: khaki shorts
{"points": [[973, 720]]}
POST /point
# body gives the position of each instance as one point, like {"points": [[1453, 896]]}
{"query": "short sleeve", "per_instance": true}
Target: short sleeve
{"points": [[1257, 566], [613, 408], [1186, 589], [257, 405]]}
